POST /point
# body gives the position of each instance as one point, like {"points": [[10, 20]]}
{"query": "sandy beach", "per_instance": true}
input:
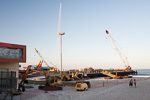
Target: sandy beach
{"points": [[111, 90]]}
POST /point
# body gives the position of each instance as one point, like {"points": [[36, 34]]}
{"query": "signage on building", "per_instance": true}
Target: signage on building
{"points": [[12, 53]]}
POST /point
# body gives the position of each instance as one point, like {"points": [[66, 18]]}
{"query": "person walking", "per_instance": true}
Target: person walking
{"points": [[134, 82], [131, 82]]}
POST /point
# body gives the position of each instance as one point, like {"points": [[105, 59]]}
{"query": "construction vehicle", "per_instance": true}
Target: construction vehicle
{"points": [[28, 70], [82, 74], [52, 83], [124, 59], [45, 61], [42, 58], [81, 86], [21, 84], [54, 69], [68, 77], [65, 77], [39, 66], [75, 76], [74, 73], [50, 79]]}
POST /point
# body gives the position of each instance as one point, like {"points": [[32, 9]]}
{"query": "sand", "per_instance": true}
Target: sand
{"points": [[112, 90]]}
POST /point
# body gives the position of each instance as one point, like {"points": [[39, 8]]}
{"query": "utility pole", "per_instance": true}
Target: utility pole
{"points": [[61, 51], [60, 34]]}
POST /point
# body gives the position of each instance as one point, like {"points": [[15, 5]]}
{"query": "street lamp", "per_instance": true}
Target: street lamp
{"points": [[63, 33]]}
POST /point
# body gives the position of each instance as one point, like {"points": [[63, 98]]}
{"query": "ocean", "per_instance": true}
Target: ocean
{"points": [[143, 72]]}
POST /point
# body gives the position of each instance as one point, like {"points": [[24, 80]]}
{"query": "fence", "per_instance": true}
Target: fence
{"points": [[109, 82], [8, 81]]}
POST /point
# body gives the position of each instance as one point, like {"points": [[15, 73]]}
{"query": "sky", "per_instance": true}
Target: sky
{"points": [[34, 23]]}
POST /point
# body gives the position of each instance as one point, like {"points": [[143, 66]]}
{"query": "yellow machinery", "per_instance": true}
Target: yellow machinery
{"points": [[39, 66], [21, 84], [82, 75], [75, 76], [52, 83], [76, 73], [65, 77], [54, 69], [52, 80], [81, 86]]}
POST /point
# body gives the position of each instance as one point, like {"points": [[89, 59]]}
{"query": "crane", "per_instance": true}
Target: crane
{"points": [[51, 69], [42, 58], [39, 66], [124, 59]]}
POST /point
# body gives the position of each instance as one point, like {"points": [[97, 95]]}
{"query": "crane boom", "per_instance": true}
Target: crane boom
{"points": [[42, 58], [124, 59]]}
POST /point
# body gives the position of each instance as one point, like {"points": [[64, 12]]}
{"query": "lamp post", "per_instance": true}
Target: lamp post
{"points": [[61, 50]]}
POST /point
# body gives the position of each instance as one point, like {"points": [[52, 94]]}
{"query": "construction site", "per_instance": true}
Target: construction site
{"points": [[31, 81], [51, 79], [14, 81], [74, 50]]}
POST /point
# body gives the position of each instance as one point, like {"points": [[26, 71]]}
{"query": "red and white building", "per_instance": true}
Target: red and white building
{"points": [[10, 56]]}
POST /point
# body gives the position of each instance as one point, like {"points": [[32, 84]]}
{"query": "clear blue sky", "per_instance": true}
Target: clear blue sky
{"points": [[34, 23]]}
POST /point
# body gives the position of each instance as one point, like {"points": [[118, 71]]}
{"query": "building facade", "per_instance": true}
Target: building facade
{"points": [[10, 56]]}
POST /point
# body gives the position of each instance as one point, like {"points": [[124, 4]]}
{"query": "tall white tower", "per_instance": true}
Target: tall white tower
{"points": [[60, 34]]}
